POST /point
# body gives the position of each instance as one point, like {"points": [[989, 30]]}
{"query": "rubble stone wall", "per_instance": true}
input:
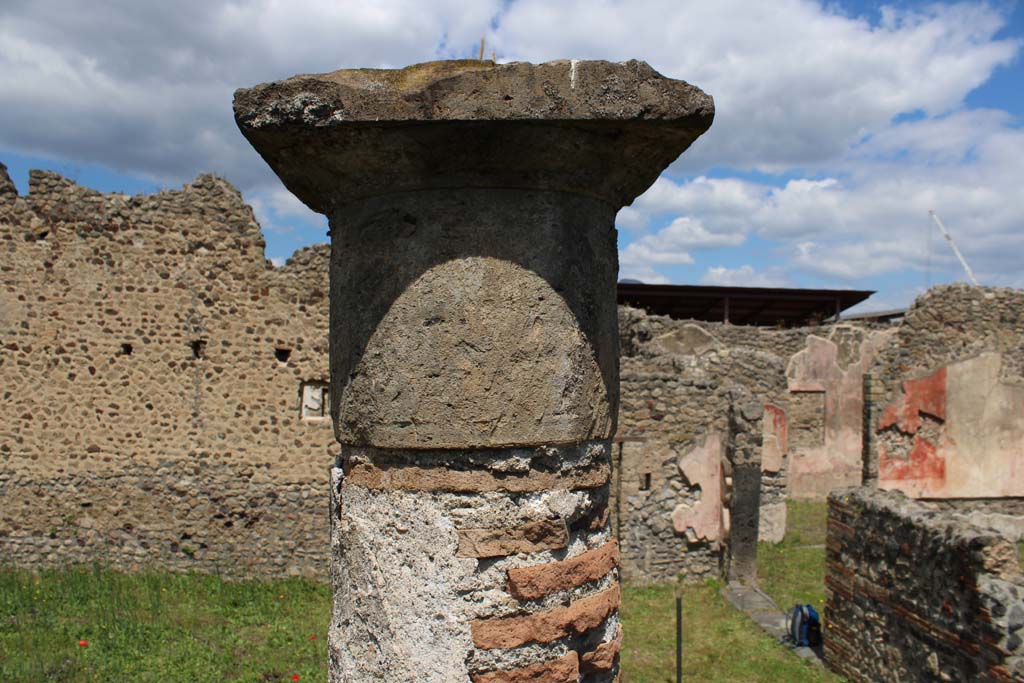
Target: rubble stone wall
{"points": [[152, 364], [165, 395], [679, 381], [915, 593]]}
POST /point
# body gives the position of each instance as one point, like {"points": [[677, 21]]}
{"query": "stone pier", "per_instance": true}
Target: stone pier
{"points": [[474, 350]]}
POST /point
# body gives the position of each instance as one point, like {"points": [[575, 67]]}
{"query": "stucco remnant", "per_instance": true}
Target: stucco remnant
{"points": [[832, 368], [947, 397], [956, 433], [702, 468]]}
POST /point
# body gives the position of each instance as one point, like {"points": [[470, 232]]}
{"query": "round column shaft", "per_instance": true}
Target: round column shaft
{"points": [[474, 350]]}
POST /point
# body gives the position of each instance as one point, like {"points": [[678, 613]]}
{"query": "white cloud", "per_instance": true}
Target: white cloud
{"points": [[794, 84], [146, 88], [730, 199], [631, 218], [643, 273], [872, 219], [743, 276], [941, 140], [801, 90], [672, 245], [280, 212]]}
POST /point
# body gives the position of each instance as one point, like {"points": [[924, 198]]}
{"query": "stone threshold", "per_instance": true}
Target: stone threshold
{"points": [[756, 604]]}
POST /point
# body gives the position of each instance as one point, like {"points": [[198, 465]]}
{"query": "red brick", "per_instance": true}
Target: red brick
{"points": [[421, 478], [530, 583], [602, 658], [544, 627]]}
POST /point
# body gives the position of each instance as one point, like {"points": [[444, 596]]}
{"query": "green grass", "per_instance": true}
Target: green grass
{"points": [[720, 644], [806, 522], [794, 571], [1020, 552], [159, 627], [170, 628]]}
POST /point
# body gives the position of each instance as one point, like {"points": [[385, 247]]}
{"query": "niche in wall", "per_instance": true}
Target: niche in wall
{"points": [[315, 400]]}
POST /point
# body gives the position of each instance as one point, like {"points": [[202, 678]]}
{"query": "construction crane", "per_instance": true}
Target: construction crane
{"points": [[949, 238]]}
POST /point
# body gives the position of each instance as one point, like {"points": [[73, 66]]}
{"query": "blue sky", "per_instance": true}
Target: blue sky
{"points": [[838, 125]]}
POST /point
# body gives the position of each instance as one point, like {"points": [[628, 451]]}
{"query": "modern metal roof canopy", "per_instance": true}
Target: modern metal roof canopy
{"points": [[740, 305]]}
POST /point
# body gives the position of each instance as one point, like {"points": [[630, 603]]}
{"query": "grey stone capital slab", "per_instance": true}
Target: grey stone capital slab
{"points": [[596, 128]]}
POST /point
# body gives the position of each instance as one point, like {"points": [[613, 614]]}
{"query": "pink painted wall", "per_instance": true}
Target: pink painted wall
{"points": [[834, 366], [702, 466]]}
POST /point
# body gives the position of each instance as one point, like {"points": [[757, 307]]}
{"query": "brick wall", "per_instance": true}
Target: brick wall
{"points": [[914, 594]]}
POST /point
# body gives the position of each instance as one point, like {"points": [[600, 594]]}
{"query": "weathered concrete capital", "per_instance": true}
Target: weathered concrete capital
{"points": [[472, 210], [594, 128]]}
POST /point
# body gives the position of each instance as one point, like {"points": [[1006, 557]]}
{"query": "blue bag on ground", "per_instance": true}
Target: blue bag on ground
{"points": [[804, 626]]}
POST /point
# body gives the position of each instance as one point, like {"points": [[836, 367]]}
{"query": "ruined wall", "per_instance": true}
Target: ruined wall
{"points": [[826, 408], [165, 397], [674, 475], [680, 380], [947, 394], [152, 361], [914, 594]]}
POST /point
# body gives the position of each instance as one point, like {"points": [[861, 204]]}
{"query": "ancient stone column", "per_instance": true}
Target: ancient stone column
{"points": [[474, 350]]}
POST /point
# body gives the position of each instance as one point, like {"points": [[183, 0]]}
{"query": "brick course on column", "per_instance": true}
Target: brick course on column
{"points": [[474, 354]]}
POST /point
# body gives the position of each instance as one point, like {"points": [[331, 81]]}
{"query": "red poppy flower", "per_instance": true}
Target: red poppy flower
{"points": [[312, 637], [83, 643], [296, 677]]}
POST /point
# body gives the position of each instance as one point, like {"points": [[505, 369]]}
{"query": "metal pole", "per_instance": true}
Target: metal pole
{"points": [[949, 238], [679, 636]]}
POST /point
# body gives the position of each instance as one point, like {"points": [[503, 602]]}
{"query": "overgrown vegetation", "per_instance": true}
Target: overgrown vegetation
{"points": [[90, 625]]}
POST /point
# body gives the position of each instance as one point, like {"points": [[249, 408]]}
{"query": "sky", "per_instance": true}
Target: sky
{"points": [[838, 125]]}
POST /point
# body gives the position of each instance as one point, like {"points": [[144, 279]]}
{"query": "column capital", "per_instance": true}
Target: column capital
{"points": [[596, 128]]}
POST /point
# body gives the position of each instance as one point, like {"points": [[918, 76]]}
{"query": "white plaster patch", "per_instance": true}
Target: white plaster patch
{"points": [[702, 466]]}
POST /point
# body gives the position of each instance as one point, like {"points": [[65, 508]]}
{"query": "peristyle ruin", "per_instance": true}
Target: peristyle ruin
{"points": [[453, 384]]}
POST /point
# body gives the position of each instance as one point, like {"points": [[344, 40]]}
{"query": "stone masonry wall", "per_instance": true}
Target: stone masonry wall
{"points": [[152, 362], [915, 594], [165, 394], [947, 397], [674, 488], [677, 382]]}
